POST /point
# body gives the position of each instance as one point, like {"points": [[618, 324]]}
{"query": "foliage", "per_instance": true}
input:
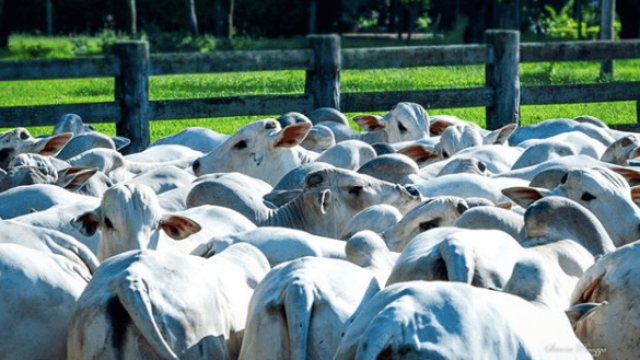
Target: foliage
{"points": [[561, 25]]}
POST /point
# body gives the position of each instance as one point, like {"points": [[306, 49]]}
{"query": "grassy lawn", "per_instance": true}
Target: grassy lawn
{"points": [[16, 93]]}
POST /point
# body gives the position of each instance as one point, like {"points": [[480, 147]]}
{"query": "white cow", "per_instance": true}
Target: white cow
{"points": [[38, 291], [301, 307], [278, 244], [261, 149], [130, 218], [606, 300], [442, 320], [600, 190], [19, 141], [23, 200], [404, 122], [148, 304]]}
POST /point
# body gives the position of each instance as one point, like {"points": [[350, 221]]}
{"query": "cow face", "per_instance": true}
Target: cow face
{"points": [[130, 218], [405, 122], [261, 149], [18, 141]]}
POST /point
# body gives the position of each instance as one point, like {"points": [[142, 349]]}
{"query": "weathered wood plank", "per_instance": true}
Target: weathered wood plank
{"points": [[228, 61], [42, 115], [580, 51], [323, 81], [607, 16], [132, 92], [445, 98], [402, 57], [230, 106], [581, 93], [503, 77], [58, 68]]}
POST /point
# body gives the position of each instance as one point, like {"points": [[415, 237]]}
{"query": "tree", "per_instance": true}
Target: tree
{"points": [[193, 19], [5, 30], [133, 17], [221, 21], [629, 13]]}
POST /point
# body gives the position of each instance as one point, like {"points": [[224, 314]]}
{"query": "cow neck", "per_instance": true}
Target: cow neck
{"points": [[372, 137], [306, 156], [291, 215]]}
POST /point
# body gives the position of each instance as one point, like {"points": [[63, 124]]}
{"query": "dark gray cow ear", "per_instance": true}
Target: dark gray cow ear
{"points": [[120, 142], [580, 311]]}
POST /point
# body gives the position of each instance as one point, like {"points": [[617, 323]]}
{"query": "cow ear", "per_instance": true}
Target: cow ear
{"points": [[437, 126], [178, 227], [53, 144], [293, 135], [525, 196], [120, 142], [635, 194], [74, 177], [500, 136], [369, 122], [323, 199], [87, 223], [507, 205], [421, 154], [632, 176], [579, 312]]}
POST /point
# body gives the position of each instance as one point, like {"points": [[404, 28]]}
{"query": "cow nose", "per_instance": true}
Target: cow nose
{"points": [[196, 165]]}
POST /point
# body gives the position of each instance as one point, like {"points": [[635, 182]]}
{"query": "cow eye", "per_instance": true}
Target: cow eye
{"points": [[587, 197], [445, 154], [24, 135], [355, 190], [401, 127], [240, 145], [564, 179], [270, 125], [107, 223], [428, 225]]}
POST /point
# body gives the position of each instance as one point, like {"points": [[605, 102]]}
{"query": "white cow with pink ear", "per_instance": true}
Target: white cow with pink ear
{"points": [[19, 141], [130, 218], [262, 149], [404, 122]]}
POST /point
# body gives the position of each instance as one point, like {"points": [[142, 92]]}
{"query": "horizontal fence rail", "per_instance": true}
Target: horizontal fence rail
{"points": [[228, 61], [583, 51], [404, 57], [323, 60], [38, 69]]}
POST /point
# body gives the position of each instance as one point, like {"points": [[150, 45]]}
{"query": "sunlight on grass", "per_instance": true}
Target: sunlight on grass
{"points": [[40, 92]]}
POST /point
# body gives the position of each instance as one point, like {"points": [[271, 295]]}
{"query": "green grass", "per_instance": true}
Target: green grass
{"points": [[20, 93]]}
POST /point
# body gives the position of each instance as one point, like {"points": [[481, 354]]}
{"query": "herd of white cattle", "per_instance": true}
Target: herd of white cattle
{"points": [[298, 238]]}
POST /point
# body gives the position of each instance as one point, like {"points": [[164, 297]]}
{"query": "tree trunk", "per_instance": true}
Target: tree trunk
{"points": [[629, 12], [5, 31], [413, 15], [579, 18], [230, 17], [49, 17], [393, 13], [607, 13], [133, 17], [193, 19], [312, 16], [219, 19]]}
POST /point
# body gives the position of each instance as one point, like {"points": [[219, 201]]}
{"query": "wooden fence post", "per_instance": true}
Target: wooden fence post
{"points": [[323, 81], [607, 15], [132, 93], [502, 76]]}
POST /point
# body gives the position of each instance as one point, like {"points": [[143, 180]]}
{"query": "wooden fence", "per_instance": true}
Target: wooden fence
{"points": [[131, 66]]}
